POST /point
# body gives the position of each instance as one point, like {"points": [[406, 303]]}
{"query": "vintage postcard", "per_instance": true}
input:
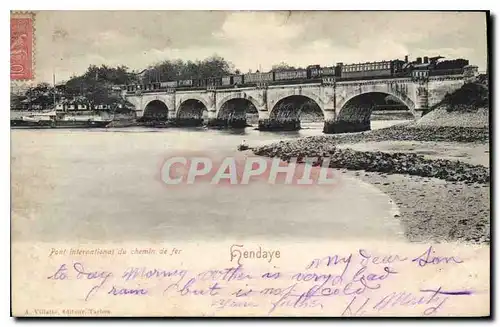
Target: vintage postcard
{"points": [[250, 164]]}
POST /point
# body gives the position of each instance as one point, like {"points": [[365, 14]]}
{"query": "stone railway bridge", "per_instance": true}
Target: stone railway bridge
{"points": [[346, 105]]}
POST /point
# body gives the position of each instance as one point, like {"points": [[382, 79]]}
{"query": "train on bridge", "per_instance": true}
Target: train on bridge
{"points": [[429, 66]]}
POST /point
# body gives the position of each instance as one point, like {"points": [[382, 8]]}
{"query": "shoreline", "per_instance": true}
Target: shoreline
{"points": [[433, 210], [453, 207]]}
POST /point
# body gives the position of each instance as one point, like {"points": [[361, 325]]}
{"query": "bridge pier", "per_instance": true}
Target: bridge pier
{"points": [[238, 119], [172, 115], [233, 114], [214, 121], [186, 122], [279, 125], [420, 112], [336, 125], [267, 123], [237, 123], [342, 126], [189, 114], [329, 124], [235, 119], [227, 123]]}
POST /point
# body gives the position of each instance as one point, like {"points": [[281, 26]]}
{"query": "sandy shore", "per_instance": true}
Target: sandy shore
{"points": [[431, 209], [436, 210]]}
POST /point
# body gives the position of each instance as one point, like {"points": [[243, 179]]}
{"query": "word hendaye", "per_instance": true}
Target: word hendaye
{"points": [[237, 252]]}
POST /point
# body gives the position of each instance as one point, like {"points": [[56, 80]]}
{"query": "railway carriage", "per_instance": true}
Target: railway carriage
{"points": [[251, 78], [238, 79], [290, 74], [314, 71], [232, 80], [372, 69], [227, 80], [199, 82], [431, 66], [214, 81], [327, 71], [169, 84], [185, 82]]}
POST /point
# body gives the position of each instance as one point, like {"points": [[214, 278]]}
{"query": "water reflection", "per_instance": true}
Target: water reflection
{"points": [[236, 131]]}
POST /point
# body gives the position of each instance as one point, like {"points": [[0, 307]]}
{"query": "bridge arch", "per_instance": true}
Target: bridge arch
{"points": [[287, 112], [278, 94], [241, 95], [293, 104], [355, 113], [194, 96], [401, 97], [234, 111], [191, 112], [155, 110]]}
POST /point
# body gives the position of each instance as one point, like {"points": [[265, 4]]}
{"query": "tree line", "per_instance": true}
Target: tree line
{"points": [[99, 84], [171, 70]]}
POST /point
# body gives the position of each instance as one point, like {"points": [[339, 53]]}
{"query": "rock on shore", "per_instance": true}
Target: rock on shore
{"points": [[413, 132], [392, 163]]}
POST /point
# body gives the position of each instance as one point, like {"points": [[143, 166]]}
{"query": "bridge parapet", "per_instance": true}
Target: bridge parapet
{"points": [[328, 81]]}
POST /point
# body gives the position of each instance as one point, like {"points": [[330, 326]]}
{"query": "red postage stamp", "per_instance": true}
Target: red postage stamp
{"points": [[21, 46]]}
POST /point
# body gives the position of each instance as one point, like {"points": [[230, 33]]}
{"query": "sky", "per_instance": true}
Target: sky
{"points": [[67, 42]]}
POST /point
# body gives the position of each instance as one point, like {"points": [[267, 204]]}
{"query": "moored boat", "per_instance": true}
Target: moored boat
{"points": [[55, 119]]}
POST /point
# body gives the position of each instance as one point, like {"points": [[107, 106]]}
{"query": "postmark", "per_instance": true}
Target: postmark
{"points": [[21, 45]]}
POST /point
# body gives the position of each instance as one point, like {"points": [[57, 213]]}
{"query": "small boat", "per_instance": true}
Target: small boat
{"points": [[243, 146], [53, 119]]}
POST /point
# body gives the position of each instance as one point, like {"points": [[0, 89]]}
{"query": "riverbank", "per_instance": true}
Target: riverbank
{"points": [[413, 132], [434, 210], [375, 161], [479, 154], [438, 176]]}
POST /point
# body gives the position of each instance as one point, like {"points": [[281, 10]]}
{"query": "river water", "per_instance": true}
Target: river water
{"points": [[103, 185]]}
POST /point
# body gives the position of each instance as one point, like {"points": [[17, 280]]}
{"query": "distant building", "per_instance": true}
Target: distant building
{"points": [[66, 105]]}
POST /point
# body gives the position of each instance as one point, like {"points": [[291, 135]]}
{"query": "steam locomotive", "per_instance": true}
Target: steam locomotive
{"points": [[429, 66]]}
